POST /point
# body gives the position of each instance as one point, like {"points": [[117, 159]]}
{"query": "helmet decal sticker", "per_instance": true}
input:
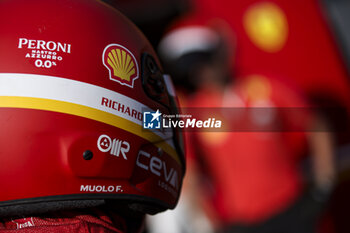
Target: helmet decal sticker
{"points": [[116, 147], [101, 188], [121, 64], [169, 176], [44, 93], [45, 54]]}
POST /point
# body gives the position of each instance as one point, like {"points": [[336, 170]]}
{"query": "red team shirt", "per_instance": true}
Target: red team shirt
{"points": [[74, 221], [254, 174]]}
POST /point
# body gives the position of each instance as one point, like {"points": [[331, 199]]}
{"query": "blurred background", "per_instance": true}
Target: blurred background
{"points": [[270, 54]]}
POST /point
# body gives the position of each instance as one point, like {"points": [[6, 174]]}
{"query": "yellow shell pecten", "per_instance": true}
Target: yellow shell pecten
{"points": [[267, 26], [122, 64]]}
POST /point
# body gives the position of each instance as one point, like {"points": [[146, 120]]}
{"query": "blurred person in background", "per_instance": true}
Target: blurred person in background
{"points": [[248, 178]]}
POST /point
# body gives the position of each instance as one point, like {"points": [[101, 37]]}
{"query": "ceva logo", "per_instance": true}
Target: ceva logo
{"points": [[158, 167]]}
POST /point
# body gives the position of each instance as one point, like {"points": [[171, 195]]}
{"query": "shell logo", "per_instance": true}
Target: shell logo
{"points": [[266, 25], [121, 64]]}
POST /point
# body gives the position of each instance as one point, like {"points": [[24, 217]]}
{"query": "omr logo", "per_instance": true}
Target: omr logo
{"points": [[115, 147]]}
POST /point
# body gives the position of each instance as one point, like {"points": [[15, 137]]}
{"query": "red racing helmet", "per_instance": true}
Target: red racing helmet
{"points": [[76, 79]]}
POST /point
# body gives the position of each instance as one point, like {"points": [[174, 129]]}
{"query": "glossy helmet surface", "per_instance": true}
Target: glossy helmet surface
{"points": [[75, 79]]}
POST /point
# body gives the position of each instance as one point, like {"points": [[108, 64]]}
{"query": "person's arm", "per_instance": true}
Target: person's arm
{"points": [[321, 143]]}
